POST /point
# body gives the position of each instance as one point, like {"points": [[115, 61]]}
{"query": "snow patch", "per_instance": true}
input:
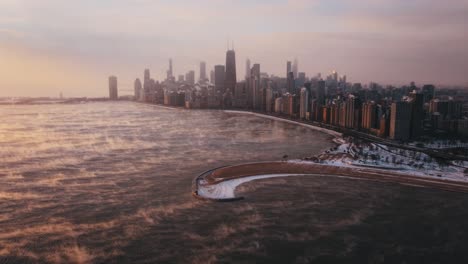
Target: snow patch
{"points": [[225, 189]]}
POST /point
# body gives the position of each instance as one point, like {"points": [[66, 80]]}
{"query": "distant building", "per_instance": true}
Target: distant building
{"points": [[247, 68], [203, 72], [304, 103], [428, 91], [295, 68], [326, 114], [353, 112], [288, 69], [230, 77], [301, 79], [212, 77], [290, 105], [321, 92], [146, 85], [335, 113], [369, 115], [400, 121], [291, 83], [113, 92], [384, 129], [181, 78], [219, 78], [417, 114], [279, 105], [255, 86], [190, 77], [138, 89], [240, 97], [146, 75], [170, 75], [269, 100]]}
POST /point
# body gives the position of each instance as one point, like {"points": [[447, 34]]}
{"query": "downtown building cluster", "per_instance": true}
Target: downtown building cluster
{"points": [[397, 113]]}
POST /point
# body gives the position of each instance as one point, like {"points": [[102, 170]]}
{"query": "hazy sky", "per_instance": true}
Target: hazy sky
{"points": [[49, 46]]}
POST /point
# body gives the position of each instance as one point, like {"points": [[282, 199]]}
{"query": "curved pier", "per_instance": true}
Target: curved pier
{"points": [[220, 177]]}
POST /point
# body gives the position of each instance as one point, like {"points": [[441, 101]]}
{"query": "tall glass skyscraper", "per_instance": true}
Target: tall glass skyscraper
{"points": [[231, 78]]}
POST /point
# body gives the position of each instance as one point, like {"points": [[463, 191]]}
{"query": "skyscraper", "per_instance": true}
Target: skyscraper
{"points": [[369, 115], [181, 78], [169, 72], [212, 77], [255, 85], [417, 114], [231, 78], [190, 77], [288, 68], [138, 88], [219, 78], [400, 121], [304, 103], [291, 83], [321, 92], [429, 92], [203, 71], [247, 69], [146, 85], [146, 77], [295, 68], [300, 80], [113, 93]]}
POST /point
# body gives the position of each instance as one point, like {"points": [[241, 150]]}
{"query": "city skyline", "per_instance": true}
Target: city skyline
{"points": [[47, 50]]}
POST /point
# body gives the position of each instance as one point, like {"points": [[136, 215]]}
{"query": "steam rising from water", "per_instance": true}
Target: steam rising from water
{"points": [[79, 182], [111, 182]]}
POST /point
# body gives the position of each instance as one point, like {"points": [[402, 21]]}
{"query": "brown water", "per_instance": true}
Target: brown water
{"points": [[110, 182]]}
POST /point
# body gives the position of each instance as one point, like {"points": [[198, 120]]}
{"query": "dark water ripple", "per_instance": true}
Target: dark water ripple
{"points": [[110, 182]]}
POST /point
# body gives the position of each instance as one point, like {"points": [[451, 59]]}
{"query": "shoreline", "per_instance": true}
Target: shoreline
{"points": [[316, 128]]}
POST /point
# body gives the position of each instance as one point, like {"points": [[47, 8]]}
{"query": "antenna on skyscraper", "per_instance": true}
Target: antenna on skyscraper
{"points": [[233, 45]]}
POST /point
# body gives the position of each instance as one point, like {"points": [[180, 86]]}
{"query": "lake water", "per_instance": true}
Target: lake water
{"points": [[111, 182]]}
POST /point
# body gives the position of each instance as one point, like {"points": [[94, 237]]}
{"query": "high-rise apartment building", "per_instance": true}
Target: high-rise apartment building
{"points": [[113, 92], [255, 86], [400, 121], [291, 83], [369, 118], [170, 74], [295, 68], [417, 114], [138, 89], [219, 78], [321, 92], [203, 71], [190, 77], [304, 103], [247, 68]]}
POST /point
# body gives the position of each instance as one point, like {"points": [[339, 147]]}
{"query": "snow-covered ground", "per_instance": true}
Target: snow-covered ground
{"points": [[225, 189], [385, 157]]}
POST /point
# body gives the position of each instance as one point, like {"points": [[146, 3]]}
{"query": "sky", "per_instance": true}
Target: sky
{"points": [[53, 46]]}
